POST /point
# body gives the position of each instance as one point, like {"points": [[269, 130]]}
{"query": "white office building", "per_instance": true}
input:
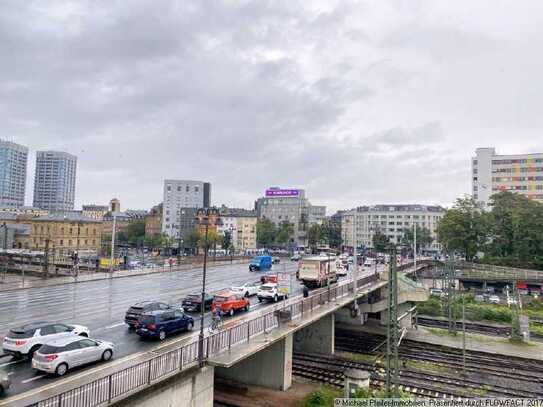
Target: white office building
{"points": [[181, 198], [54, 184], [13, 160], [390, 220], [519, 173]]}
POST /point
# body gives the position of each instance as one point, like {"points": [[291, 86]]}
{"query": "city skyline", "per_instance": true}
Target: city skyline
{"points": [[355, 103]]}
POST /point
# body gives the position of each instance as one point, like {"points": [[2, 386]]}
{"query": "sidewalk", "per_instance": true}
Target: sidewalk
{"points": [[11, 282]]}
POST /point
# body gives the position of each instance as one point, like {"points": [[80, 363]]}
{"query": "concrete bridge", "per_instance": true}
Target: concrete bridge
{"points": [[254, 350]]}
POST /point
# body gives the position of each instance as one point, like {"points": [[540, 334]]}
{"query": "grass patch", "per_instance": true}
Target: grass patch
{"points": [[324, 396], [427, 366], [358, 357]]}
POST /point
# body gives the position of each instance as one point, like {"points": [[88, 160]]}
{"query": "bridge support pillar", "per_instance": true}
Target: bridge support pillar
{"points": [[270, 367], [317, 337]]}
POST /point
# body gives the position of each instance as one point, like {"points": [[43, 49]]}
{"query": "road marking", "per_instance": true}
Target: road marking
{"points": [[33, 378], [11, 363], [113, 326]]}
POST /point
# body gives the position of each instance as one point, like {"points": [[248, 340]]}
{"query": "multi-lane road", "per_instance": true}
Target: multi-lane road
{"points": [[101, 306]]}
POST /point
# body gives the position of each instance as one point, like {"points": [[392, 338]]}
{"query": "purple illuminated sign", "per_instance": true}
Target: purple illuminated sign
{"points": [[282, 192]]}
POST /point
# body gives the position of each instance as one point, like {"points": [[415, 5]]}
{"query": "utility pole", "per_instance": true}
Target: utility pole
{"points": [[46, 258], [355, 261], [450, 276], [392, 361], [113, 232], [463, 335], [415, 246]]}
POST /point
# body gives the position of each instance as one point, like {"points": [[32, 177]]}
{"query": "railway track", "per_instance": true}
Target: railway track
{"points": [[330, 370]]}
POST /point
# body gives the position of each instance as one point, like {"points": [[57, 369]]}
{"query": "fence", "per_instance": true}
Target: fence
{"points": [[475, 270], [131, 379]]}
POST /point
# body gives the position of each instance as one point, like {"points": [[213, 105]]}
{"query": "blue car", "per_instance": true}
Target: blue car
{"points": [[159, 324], [260, 263]]}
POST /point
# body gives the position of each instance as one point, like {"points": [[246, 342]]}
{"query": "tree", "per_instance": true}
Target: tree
{"points": [[213, 239], [191, 239], [227, 240], [332, 235], [155, 241], [380, 241], [424, 237], [314, 235], [285, 233], [266, 232], [463, 228]]}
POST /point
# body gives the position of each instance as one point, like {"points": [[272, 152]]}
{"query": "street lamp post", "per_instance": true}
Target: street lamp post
{"points": [[203, 219]]}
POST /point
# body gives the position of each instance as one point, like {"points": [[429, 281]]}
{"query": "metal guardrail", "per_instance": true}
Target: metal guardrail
{"points": [[475, 270], [121, 384]]}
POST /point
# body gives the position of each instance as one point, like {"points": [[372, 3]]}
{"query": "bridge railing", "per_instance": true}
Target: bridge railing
{"points": [[121, 384], [500, 272]]}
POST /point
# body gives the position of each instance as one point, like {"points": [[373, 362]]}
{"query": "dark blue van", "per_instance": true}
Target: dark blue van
{"points": [[158, 324], [260, 263]]}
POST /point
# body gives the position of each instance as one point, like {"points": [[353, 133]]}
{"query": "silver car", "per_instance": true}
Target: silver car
{"points": [[5, 382], [63, 354]]}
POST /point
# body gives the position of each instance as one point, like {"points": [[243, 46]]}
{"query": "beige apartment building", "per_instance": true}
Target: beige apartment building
{"points": [[492, 173], [241, 224]]}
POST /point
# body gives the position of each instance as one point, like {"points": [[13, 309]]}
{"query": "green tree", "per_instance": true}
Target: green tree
{"points": [[191, 239], [213, 239], [424, 237], [285, 233], [155, 241], [464, 228], [332, 235], [227, 240], [314, 235], [380, 241], [266, 232]]}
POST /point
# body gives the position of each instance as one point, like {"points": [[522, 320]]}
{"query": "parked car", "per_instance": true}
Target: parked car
{"points": [[63, 354], [494, 299], [479, 298], [27, 339], [229, 302], [160, 323], [269, 292], [135, 311], [276, 260], [296, 257], [260, 263], [247, 289], [5, 382], [436, 292], [193, 302]]}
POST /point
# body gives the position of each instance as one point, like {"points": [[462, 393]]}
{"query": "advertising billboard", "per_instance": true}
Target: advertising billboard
{"points": [[276, 192]]}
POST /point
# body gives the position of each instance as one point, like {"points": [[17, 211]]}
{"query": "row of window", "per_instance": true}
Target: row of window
{"points": [[518, 161], [512, 179], [517, 188], [71, 231], [516, 169], [61, 242], [180, 188]]}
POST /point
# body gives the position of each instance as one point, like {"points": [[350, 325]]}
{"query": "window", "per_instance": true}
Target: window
{"points": [[86, 343], [61, 242], [179, 188], [169, 188], [187, 189]]}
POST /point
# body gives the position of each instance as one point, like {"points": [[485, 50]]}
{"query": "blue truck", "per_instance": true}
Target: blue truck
{"points": [[260, 263]]}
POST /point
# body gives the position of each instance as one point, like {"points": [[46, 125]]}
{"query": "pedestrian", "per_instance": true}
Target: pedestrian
{"points": [[306, 291]]}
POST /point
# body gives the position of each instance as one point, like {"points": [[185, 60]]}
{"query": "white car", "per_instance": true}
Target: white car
{"points": [[269, 292], [247, 289], [27, 339], [494, 299], [65, 353], [511, 301]]}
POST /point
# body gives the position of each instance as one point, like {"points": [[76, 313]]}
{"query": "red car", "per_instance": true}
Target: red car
{"points": [[229, 302]]}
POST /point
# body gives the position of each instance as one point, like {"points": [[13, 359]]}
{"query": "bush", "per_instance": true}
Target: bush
{"points": [[323, 396]]}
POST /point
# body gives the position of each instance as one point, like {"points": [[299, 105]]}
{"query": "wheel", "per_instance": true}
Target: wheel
{"points": [[286, 296], [84, 334], [32, 351], [162, 335], [61, 369], [275, 298], [231, 312], [259, 299], [247, 294], [107, 355], [2, 391], [189, 326], [247, 307]]}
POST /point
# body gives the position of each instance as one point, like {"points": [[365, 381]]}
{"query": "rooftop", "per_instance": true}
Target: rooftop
{"points": [[67, 217]]}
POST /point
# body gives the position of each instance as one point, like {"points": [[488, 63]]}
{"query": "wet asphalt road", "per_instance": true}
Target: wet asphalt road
{"points": [[101, 305]]}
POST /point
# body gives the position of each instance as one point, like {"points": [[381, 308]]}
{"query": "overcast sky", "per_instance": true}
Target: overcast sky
{"points": [[358, 102]]}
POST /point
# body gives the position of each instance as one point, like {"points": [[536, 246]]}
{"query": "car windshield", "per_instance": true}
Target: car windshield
{"points": [[220, 299], [49, 349], [266, 288], [20, 334], [193, 297]]}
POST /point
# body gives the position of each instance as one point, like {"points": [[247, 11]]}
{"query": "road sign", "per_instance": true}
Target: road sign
{"points": [[283, 283]]}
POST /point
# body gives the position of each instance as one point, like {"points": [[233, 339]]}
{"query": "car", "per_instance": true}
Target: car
{"points": [[193, 302], [276, 260], [479, 298], [436, 292], [340, 270], [296, 257], [494, 299], [260, 263], [269, 292], [63, 354], [160, 323], [229, 302], [27, 339], [134, 312], [511, 301], [247, 289], [5, 383]]}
